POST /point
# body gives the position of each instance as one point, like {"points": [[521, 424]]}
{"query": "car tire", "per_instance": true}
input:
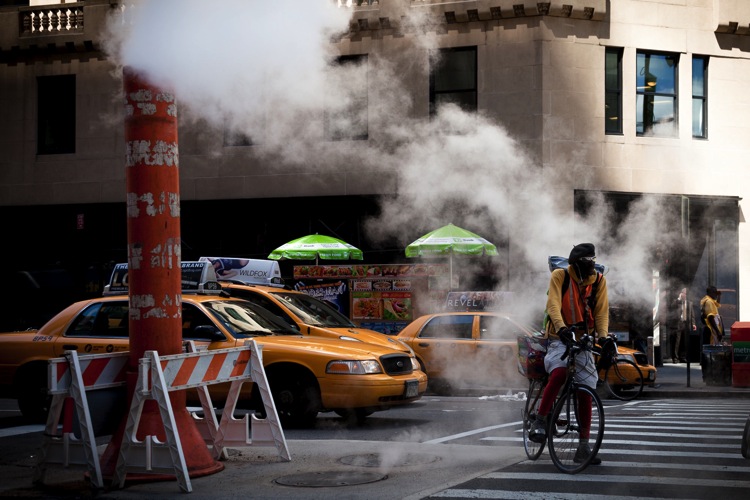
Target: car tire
{"points": [[439, 387], [354, 416], [296, 396], [33, 399]]}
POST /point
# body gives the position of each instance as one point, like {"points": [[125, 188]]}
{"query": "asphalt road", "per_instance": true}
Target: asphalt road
{"points": [[430, 449]]}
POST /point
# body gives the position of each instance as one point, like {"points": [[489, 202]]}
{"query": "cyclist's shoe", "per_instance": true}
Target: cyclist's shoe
{"points": [[538, 431], [583, 452]]}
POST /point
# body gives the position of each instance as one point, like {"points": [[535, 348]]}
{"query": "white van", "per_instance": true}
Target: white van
{"points": [[197, 277], [247, 271]]}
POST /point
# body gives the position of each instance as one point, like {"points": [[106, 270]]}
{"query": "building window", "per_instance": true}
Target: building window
{"points": [[700, 96], [613, 91], [656, 94], [346, 109], [453, 79], [235, 138], [56, 114]]}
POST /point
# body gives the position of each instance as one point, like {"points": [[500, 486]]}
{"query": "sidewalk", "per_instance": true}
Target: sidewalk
{"points": [[672, 382]]}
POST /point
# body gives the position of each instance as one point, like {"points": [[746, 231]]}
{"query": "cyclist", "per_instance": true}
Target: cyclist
{"points": [[584, 305]]}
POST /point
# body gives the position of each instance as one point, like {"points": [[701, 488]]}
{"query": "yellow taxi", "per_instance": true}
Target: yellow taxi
{"points": [[258, 281], [306, 375], [467, 350]]}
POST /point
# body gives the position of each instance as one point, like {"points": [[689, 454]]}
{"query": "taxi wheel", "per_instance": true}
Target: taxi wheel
{"points": [[439, 387], [33, 400], [297, 398], [355, 415]]}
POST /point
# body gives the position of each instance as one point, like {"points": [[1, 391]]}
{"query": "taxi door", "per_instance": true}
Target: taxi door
{"points": [[496, 352], [448, 346]]}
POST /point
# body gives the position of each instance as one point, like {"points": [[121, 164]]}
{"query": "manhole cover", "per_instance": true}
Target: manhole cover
{"points": [[380, 460], [330, 478]]}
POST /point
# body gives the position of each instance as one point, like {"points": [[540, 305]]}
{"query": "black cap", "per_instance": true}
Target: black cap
{"points": [[582, 250]]}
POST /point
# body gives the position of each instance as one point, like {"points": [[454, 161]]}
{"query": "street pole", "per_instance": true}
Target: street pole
{"points": [[154, 265], [685, 227]]}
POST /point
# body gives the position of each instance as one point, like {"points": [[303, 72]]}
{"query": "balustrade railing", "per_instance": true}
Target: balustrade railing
{"points": [[51, 20]]}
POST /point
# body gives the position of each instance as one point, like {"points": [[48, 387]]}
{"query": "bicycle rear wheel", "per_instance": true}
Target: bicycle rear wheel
{"points": [[564, 431], [624, 380], [533, 398]]}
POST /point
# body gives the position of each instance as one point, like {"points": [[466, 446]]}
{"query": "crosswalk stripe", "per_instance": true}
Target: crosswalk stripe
{"points": [[617, 478], [652, 465], [532, 495], [653, 444]]}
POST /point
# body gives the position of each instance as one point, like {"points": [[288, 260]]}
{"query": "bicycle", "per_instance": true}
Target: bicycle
{"points": [[563, 427], [621, 377]]}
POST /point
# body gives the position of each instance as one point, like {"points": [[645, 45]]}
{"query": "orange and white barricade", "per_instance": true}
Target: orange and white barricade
{"points": [[158, 376], [69, 378], [249, 430]]}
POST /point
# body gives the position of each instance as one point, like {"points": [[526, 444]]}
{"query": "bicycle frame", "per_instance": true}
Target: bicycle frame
{"points": [[565, 424]]}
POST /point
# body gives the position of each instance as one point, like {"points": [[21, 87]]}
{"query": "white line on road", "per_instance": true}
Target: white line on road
{"points": [[23, 429], [617, 478]]}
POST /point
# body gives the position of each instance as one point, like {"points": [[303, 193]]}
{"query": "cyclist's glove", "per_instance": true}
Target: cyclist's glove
{"points": [[566, 335], [607, 344]]}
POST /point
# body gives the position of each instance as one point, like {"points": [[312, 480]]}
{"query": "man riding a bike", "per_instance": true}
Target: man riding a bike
{"points": [[581, 308]]}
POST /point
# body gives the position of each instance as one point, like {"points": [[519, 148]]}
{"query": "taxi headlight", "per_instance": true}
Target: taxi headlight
{"points": [[355, 367], [415, 364]]}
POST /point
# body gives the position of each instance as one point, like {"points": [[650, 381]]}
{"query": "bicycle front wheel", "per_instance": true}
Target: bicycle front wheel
{"points": [[533, 398], [565, 428], [624, 379]]}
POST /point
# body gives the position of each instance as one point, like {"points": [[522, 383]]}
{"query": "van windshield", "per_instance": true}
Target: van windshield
{"points": [[314, 311]]}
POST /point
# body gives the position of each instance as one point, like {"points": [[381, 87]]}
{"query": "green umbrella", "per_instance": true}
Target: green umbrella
{"points": [[315, 246], [449, 240]]}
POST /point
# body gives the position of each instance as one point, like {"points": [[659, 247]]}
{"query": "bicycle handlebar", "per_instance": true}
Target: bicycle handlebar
{"points": [[585, 343]]}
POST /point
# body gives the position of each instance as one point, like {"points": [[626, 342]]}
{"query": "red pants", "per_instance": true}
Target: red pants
{"points": [[555, 381]]}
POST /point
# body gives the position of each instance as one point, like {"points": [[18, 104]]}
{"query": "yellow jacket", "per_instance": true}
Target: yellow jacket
{"points": [[712, 319], [600, 314]]}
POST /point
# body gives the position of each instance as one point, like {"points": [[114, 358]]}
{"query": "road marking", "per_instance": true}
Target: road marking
{"points": [[616, 479], [515, 495], [471, 433], [22, 429], [653, 444]]}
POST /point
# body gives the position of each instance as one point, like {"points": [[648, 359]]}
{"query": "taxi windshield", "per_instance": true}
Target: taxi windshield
{"points": [[313, 311], [244, 319]]}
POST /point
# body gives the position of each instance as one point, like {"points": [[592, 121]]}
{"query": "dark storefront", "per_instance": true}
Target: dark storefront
{"points": [[81, 243], [702, 250]]}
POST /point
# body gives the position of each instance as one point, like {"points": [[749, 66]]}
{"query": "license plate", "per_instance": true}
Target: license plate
{"points": [[412, 389]]}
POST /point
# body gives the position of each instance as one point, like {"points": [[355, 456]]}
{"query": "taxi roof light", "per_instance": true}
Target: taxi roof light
{"points": [[197, 277]]}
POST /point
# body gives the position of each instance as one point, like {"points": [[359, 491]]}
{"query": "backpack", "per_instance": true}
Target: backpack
{"points": [[565, 284]]}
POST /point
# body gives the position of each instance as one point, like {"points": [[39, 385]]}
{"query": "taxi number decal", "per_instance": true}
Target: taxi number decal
{"points": [[42, 338], [412, 389]]}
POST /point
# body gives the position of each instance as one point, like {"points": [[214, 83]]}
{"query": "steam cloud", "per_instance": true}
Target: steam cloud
{"points": [[263, 69]]}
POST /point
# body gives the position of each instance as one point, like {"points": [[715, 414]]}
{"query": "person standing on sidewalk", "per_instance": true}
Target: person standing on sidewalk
{"points": [[583, 304], [713, 328], [682, 317]]}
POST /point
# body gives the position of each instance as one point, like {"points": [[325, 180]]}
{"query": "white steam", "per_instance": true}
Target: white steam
{"points": [[263, 69]]}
